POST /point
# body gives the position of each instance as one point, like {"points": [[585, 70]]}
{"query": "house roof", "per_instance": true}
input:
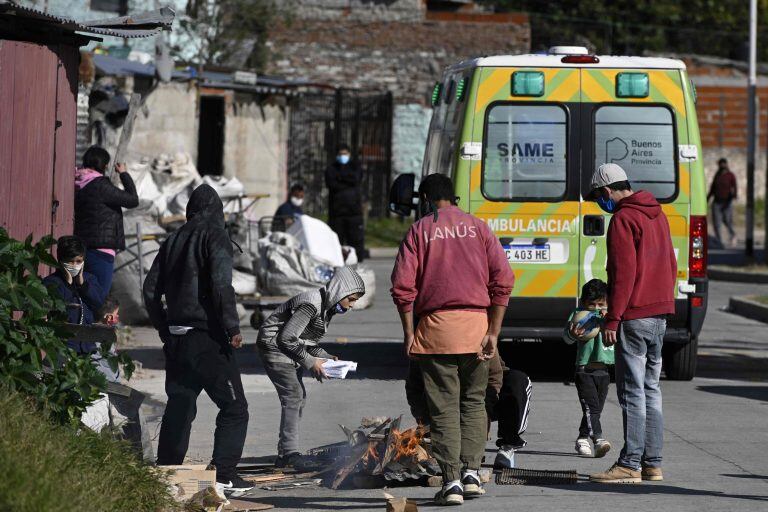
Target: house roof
{"points": [[108, 65], [144, 24]]}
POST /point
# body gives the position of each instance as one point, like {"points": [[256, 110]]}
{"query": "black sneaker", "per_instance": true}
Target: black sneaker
{"points": [[472, 485], [232, 484], [518, 443], [453, 495], [291, 460]]}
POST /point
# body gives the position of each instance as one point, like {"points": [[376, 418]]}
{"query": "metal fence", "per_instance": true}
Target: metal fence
{"points": [[320, 121]]}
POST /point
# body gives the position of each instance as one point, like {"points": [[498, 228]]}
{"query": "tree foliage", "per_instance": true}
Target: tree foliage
{"points": [[230, 33], [34, 358], [710, 27]]}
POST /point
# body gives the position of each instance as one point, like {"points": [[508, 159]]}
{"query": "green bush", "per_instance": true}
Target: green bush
{"points": [[386, 232], [34, 358], [49, 467]]}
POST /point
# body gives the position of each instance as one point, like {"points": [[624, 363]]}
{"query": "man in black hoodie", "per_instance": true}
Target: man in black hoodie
{"points": [[345, 201], [200, 328]]}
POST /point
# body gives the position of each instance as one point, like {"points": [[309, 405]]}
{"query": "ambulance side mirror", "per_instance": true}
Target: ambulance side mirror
{"points": [[401, 195]]}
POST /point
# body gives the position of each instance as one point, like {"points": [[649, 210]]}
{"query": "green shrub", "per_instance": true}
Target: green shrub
{"points": [[49, 467], [33, 332]]}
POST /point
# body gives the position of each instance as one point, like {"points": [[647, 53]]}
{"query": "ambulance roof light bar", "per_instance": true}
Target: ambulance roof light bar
{"points": [[574, 55], [568, 50]]}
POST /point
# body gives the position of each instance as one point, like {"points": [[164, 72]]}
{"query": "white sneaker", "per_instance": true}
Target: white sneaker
{"points": [[582, 447], [602, 447], [505, 457]]}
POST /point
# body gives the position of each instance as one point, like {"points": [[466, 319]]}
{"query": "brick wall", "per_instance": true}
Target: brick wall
{"points": [[721, 108], [405, 58]]}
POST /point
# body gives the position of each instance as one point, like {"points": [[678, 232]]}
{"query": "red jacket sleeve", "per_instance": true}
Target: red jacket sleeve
{"points": [[501, 279], [622, 265], [404, 289]]}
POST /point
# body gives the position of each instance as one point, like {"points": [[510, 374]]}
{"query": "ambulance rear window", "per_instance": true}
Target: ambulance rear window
{"points": [[641, 140], [524, 157]]}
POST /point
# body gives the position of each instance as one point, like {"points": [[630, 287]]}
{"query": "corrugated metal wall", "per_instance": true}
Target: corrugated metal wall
{"points": [[38, 87]]}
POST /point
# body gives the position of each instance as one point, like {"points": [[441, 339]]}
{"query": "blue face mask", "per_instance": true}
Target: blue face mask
{"points": [[340, 310], [343, 159], [607, 205]]}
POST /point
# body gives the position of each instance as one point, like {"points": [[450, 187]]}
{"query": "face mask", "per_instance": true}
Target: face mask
{"points": [[297, 201], [74, 270], [343, 159], [607, 205], [340, 310]]}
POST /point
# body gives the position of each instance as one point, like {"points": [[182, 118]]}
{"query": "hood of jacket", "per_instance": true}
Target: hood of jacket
{"points": [[344, 283], [641, 201], [205, 204], [84, 175]]}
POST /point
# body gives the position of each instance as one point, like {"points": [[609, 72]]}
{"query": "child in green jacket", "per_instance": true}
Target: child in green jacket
{"points": [[593, 362]]}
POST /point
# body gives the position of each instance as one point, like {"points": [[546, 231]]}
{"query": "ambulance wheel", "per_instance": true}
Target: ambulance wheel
{"points": [[256, 319], [679, 359]]}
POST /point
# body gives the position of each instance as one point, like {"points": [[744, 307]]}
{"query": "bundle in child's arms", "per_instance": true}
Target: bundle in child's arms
{"points": [[590, 321]]}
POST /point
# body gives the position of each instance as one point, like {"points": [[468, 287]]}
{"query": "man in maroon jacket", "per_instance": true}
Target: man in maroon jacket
{"points": [[723, 192], [642, 271], [452, 273]]}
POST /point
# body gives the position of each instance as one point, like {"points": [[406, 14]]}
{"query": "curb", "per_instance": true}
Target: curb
{"points": [[746, 307], [718, 273]]}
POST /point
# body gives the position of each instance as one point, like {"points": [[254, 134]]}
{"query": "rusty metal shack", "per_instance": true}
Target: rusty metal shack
{"points": [[39, 59]]}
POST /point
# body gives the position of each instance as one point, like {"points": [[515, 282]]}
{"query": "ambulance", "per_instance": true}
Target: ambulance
{"points": [[521, 135]]}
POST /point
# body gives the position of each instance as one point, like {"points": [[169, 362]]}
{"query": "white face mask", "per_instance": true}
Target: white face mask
{"points": [[74, 270], [297, 201]]}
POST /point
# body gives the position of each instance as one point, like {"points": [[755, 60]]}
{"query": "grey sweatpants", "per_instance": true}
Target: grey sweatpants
{"points": [[286, 378]]}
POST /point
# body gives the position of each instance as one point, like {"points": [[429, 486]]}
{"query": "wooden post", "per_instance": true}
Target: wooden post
{"points": [[125, 136]]}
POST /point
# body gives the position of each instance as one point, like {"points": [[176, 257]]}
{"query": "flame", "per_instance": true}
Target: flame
{"points": [[407, 441], [372, 454]]}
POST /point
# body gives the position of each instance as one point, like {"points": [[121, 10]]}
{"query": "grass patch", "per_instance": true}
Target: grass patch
{"points": [[386, 232], [49, 467], [762, 299]]}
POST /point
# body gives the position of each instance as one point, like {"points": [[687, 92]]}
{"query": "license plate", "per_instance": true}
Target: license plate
{"points": [[528, 253]]}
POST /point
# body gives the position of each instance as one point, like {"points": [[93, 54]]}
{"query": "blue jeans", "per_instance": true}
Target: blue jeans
{"points": [[638, 367], [101, 265]]}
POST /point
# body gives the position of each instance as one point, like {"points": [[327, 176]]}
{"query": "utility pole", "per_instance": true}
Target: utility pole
{"points": [[751, 125]]}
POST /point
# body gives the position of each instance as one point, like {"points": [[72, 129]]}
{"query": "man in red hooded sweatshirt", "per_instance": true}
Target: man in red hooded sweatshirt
{"points": [[642, 271]]}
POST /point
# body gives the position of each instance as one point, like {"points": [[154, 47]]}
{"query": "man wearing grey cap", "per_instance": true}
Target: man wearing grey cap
{"points": [[642, 271]]}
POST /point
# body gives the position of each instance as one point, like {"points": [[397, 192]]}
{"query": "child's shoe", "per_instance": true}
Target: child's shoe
{"points": [[505, 458], [582, 447], [602, 447], [291, 460]]}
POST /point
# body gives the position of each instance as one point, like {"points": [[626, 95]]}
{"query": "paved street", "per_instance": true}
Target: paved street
{"points": [[715, 435]]}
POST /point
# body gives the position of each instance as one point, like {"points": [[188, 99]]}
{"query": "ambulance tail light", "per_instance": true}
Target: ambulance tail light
{"points": [[580, 59], [697, 254]]}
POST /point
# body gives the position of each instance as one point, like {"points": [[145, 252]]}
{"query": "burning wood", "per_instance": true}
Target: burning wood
{"points": [[377, 452]]}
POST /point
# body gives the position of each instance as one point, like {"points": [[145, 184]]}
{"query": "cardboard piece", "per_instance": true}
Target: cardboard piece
{"points": [[190, 478], [400, 504]]}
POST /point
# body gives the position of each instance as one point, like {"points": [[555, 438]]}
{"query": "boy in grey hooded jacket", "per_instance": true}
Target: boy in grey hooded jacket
{"points": [[288, 345]]}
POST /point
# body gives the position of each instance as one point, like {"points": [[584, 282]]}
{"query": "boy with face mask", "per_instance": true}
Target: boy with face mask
{"points": [[288, 345], [291, 209], [79, 289]]}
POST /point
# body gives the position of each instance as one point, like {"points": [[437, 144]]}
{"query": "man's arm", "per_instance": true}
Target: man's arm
{"points": [[622, 267], [220, 270], [154, 288], [404, 291]]}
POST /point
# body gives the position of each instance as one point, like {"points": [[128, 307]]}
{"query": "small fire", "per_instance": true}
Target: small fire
{"points": [[407, 442], [372, 454]]}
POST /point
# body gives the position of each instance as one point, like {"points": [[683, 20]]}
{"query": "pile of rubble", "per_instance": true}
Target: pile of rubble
{"points": [[280, 264]]}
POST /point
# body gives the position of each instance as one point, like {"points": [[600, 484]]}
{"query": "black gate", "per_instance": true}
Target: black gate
{"points": [[320, 121]]}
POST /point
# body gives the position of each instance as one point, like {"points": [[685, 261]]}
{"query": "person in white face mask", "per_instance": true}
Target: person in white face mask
{"points": [[344, 180], [77, 288], [291, 209]]}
